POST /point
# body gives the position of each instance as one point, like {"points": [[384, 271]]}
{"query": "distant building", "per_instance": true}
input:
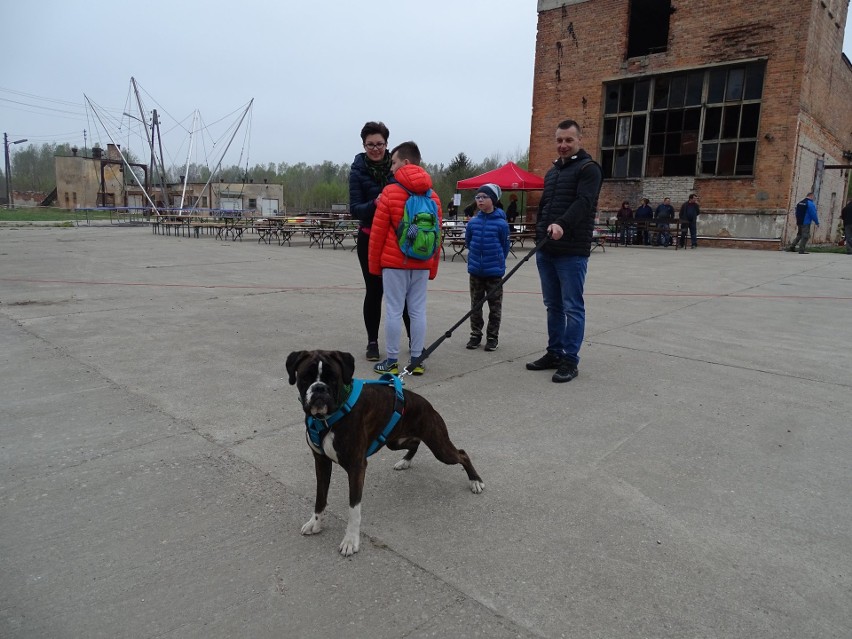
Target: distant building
{"points": [[744, 102], [28, 199], [103, 181]]}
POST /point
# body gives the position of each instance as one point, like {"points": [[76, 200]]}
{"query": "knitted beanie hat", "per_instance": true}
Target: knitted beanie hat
{"points": [[492, 191]]}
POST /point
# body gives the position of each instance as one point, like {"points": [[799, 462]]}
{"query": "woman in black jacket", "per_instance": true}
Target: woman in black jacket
{"points": [[370, 172]]}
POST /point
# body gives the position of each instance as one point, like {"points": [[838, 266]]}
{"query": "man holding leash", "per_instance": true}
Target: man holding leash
{"points": [[567, 217]]}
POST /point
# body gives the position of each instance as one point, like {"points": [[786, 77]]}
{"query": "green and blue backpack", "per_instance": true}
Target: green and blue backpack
{"points": [[419, 232]]}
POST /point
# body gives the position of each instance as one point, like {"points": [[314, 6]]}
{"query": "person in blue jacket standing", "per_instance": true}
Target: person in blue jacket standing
{"points": [[806, 213], [487, 240]]}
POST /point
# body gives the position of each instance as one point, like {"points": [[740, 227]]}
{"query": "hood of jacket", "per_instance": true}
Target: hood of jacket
{"points": [[414, 178]]}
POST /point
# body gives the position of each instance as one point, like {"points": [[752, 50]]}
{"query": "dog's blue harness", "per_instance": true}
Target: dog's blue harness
{"points": [[317, 429]]}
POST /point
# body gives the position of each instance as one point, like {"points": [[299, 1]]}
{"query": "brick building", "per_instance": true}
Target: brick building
{"points": [[746, 103]]}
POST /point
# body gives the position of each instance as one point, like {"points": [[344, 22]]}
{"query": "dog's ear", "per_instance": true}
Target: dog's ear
{"points": [[293, 360], [347, 365]]}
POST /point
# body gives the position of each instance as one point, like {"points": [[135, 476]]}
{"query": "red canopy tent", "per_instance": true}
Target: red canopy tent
{"points": [[509, 177]]}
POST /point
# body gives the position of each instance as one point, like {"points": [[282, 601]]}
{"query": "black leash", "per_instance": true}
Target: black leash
{"points": [[426, 353]]}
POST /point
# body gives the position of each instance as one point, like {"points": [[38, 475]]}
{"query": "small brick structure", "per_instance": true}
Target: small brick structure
{"points": [[28, 199]]}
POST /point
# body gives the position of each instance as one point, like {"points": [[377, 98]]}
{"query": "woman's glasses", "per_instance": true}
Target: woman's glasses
{"points": [[375, 146]]}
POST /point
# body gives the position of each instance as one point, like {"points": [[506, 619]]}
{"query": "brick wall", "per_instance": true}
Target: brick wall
{"points": [[582, 44]]}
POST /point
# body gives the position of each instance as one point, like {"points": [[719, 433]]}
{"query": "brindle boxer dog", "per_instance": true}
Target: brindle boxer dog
{"points": [[320, 377]]}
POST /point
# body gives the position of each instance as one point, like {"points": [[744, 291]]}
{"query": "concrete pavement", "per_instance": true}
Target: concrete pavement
{"points": [[694, 481]]}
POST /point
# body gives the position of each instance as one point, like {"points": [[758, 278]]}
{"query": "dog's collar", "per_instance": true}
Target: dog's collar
{"points": [[318, 428]]}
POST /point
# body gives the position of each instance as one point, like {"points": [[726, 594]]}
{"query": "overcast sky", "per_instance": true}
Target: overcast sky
{"points": [[453, 75]]}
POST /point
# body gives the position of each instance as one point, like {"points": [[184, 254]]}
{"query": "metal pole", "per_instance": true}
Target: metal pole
{"points": [[6, 169], [6, 144]]}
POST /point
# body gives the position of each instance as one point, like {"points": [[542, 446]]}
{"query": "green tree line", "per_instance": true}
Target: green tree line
{"points": [[305, 186]]}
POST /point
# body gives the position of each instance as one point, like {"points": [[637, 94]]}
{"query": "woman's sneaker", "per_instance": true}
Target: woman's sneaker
{"points": [[387, 366], [491, 345], [373, 352], [473, 343]]}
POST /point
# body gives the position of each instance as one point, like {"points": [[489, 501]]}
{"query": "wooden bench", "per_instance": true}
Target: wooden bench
{"points": [[627, 232]]}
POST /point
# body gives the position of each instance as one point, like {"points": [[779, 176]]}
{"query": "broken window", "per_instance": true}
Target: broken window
{"points": [[665, 126], [649, 27], [731, 124]]}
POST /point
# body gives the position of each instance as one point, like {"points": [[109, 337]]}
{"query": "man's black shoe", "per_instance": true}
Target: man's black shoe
{"points": [[546, 362], [565, 373], [491, 345], [473, 343], [804, 252]]}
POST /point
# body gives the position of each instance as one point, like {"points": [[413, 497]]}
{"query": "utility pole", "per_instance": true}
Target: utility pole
{"points": [[10, 200], [6, 165]]}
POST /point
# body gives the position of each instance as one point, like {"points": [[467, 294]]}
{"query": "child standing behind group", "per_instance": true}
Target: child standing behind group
{"points": [[487, 240]]}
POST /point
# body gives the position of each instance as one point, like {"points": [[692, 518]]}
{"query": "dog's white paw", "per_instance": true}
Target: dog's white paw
{"points": [[477, 486], [402, 464], [313, 525], [350, 544]]}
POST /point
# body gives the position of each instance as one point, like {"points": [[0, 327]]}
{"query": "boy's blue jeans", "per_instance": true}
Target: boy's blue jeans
{"points": [[562, 281]]}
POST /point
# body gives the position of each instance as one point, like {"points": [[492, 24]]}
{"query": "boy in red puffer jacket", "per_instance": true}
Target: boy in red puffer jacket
{"points": [[404, 278]]}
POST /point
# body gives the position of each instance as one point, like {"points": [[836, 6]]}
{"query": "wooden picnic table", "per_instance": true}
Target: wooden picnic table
{"points": [[331, 232]]}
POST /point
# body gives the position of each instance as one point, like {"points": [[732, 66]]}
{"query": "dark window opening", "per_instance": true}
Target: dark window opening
{"points": [[716, 87], [679, 165], [754, 82], [643, 90], [678, 91], [626, 101], [637, 132], [696, 123], [611, 101], [661, 93], [649, 27], [694, 88]]}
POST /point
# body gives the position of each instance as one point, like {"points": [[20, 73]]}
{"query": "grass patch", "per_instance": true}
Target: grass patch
{"points": [[49, 214], [826, 249]]}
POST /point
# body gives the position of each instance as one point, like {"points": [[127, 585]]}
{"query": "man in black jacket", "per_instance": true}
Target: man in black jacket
{"points": [[846, 216], [567, 216], [689, 213]]}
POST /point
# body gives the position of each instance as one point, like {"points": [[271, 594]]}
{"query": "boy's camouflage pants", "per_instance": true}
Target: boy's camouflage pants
{"points": [[479, 288]]}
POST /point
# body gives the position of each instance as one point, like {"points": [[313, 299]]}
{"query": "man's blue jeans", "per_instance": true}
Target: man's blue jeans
{"points": [[562, 281]]}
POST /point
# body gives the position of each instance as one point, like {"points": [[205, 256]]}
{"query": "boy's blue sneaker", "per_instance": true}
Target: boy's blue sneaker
{"points": [[387, 366]]}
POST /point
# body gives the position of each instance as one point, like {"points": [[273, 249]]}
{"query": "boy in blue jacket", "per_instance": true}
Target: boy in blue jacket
{"points": [[487, 240]]}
